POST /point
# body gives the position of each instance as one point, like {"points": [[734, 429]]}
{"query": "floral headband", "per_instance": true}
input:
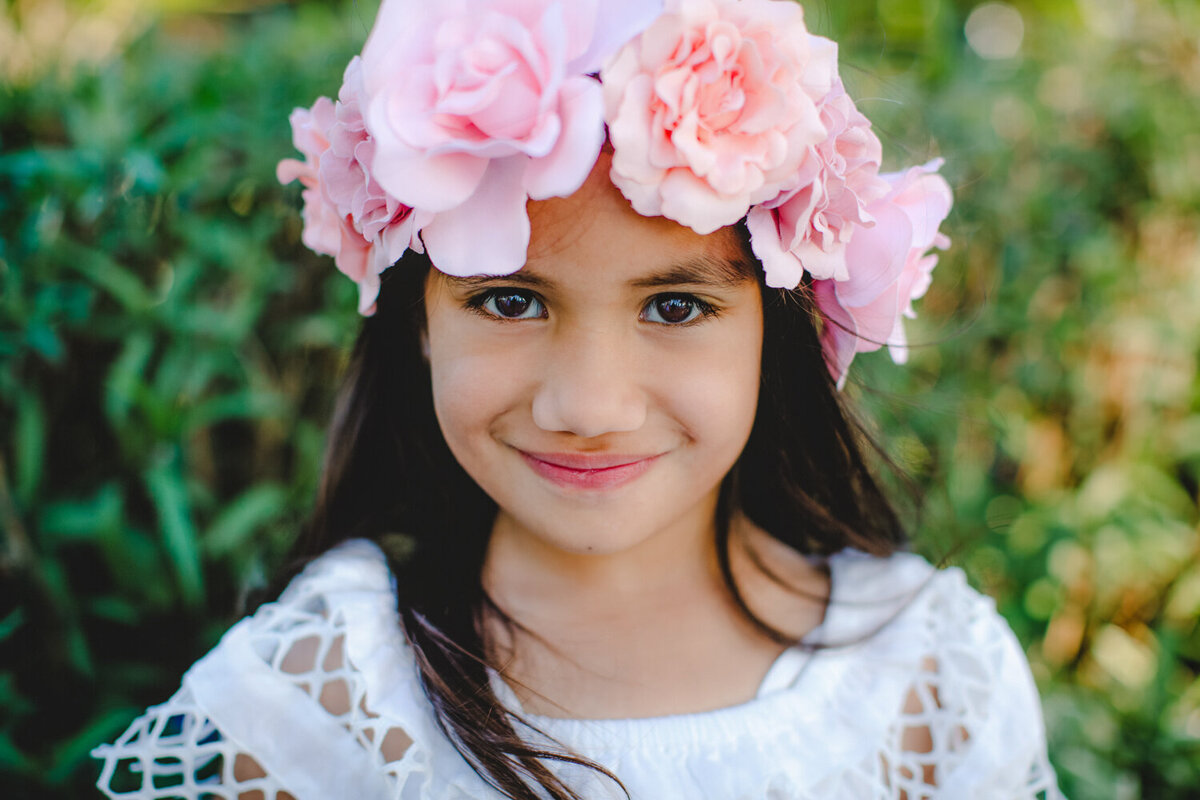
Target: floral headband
{"points": [[460, 111]]}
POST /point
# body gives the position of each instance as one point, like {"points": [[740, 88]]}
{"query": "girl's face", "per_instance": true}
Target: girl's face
{"points": [[600, 394]]}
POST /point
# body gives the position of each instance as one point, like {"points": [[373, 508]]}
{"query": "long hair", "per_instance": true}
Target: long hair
{"points": [[390, 477]]}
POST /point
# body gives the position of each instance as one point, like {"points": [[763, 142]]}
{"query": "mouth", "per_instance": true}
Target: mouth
{"points": [[589, 470]]}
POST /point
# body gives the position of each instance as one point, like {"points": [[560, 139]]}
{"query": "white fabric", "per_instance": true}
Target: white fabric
{"points": [[923, 693]]}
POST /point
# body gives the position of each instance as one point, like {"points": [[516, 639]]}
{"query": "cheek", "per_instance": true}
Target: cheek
{"points": [[713, 393], [476, 380]]}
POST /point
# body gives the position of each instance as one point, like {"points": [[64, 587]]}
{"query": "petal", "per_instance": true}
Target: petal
{"points": [[368, 293], [630, 132], [838, 335], [289, 169], [823, 264], [437, 183], [489, 233], [876, 256], [691, 201], [782, 269], [898, 343], [566, 167], [354, 254], [614, 22], [874, 322]]}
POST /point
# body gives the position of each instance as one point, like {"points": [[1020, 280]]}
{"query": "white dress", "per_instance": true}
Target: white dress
{"points": [[321, 690]]}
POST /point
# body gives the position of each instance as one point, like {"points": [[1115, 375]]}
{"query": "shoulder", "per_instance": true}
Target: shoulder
{"points": [[955, 688], [870, 593], [321, 676]]}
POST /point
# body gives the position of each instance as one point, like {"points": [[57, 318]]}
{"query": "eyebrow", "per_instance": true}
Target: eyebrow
{"points": [[519, 278], [702, 270]]}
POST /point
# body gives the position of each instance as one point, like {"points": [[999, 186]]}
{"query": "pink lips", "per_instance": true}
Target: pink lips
{"points": [[588, 471]]}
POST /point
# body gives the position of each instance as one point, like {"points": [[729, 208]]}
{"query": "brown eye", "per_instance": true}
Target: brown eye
{"points": [[672, 309], [512, 304]]}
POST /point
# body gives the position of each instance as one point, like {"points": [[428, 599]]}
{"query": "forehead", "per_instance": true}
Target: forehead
{"points": [[594, 236]]}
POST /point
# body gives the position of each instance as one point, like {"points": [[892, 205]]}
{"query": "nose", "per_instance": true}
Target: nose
{"points": [[590, 386]]}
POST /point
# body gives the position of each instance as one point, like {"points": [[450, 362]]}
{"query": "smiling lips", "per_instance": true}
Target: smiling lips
{"points": [[588, 471]]}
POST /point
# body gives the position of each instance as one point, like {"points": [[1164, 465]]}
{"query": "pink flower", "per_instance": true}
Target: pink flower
{"points": [[346, 213], [714, 108], [476, 107], [889, 267], [809, 227]]}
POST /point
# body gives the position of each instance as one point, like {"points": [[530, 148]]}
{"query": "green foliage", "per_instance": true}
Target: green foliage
{"points": [[168, 352], [1053, 419], [167, 356]]}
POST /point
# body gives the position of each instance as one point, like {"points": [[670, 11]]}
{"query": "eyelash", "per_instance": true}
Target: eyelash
{"points": [[479, 305]]}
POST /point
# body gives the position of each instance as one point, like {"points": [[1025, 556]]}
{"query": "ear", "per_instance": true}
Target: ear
{"points": [[425, 344]]}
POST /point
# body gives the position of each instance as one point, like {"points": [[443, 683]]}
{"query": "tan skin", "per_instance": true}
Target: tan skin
{"points": [[619, 589]]}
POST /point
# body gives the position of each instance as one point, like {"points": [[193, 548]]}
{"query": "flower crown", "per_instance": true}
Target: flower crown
{"points": [[459, 111]]}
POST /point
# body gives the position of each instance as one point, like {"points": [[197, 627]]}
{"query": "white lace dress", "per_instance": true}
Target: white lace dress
{"points": [[316, 697]]}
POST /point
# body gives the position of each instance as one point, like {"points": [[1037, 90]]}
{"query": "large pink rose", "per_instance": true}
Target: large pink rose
{"points": [[808, 228], [889, 267], [714, 108], [346, 213], [475, 107]]}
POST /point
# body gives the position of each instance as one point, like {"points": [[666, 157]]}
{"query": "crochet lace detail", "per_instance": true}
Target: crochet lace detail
{"points": [[174, 750], [316, 697]]}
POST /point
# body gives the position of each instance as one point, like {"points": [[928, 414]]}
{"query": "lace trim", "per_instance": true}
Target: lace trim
{"points": [[174, 750], [938, 704]]}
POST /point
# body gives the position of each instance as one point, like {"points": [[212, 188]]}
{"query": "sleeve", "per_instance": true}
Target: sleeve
{"points": [[971, 725], [276, 711]]}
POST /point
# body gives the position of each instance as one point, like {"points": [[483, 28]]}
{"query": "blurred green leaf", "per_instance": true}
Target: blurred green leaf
{"points": [[242, 518], [29, 447], [13, 620], [166, 486], [85, 518]]}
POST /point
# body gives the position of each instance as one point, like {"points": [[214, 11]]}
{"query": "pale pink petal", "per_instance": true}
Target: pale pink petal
{"points": [[289, 169], [437, 183], [630, 135], [689, 201], [781, 268], [566, 167], [368, 293], [876, 256], [875, 321], [926, 198], [354, 254], [839, 336], [898, 343], [823, 263], [612, 24], [489, 233]]}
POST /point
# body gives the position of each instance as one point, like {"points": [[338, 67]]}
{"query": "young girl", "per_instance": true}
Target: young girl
{"points": [[593, 523]]}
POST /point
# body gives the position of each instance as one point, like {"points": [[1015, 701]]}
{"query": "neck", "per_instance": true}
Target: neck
{"points": [[650, 630]]}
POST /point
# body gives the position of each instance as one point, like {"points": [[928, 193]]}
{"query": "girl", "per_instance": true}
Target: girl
{"points": [[593, 523]]}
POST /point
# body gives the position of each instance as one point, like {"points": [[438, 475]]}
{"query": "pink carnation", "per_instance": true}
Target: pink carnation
{"points": [[346, 213], [714, 108], [476, 107], [809, 227], [889, 267]]}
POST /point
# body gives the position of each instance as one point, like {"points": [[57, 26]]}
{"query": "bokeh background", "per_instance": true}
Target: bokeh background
{"points": [[168, 350]]}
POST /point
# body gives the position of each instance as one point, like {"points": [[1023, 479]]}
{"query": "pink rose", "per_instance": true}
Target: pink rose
{"points": [[889, 267], [476, 107], [714, 108], [808, 228], [346, 214]]}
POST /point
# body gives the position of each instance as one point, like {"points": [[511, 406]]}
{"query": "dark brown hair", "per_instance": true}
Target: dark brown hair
{"points": [[389, 476]]}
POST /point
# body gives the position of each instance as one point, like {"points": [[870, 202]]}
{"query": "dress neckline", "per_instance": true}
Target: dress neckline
{"points": [[782, 675]]}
